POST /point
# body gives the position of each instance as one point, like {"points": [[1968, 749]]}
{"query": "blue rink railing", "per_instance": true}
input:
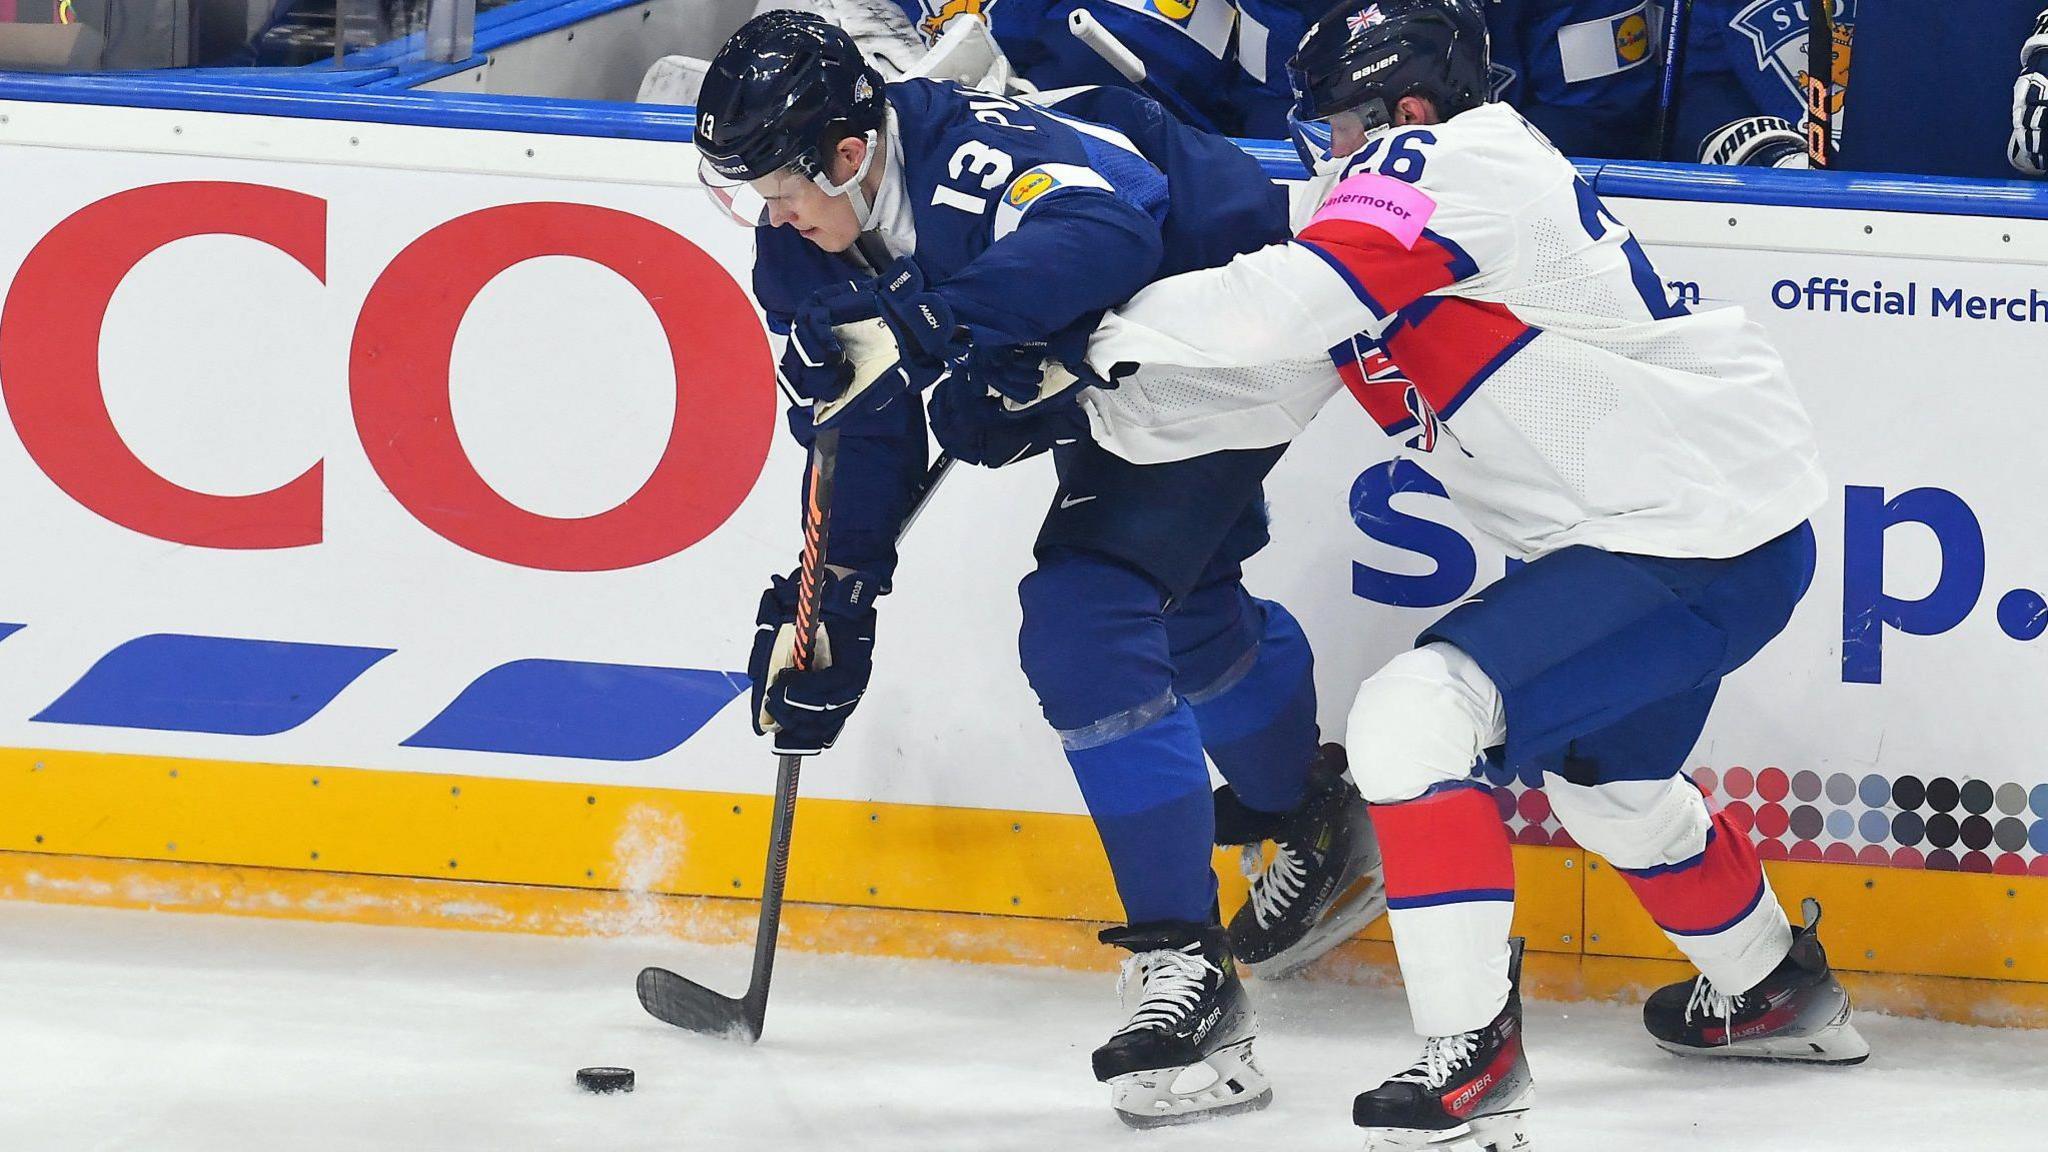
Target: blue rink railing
{"points": [[270, 92]]}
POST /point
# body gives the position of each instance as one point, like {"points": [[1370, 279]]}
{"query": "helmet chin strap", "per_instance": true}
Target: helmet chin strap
{"points": [[863, 208]]}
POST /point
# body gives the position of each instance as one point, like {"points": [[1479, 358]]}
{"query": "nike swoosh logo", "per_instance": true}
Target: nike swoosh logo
{"points": [[1070, 501]]}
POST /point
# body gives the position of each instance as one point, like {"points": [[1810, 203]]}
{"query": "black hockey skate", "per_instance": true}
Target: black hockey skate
{"points": [[1799, 1012], [1472, 1088], [1324, 882], [1186, 1053]]}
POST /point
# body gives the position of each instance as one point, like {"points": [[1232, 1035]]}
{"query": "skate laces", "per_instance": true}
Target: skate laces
{"points": [[1173, 981], [1441, 1057], [1708, 1001], [1274, 888]]}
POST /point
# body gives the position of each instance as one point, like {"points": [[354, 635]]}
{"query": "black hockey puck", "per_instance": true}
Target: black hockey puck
{"points": [[605, 1079]]}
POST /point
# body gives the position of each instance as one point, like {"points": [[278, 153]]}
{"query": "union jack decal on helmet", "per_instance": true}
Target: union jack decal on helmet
{"points": [[1372, 17]]}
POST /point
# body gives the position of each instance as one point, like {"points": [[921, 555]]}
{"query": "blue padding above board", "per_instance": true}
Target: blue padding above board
{"points": [[422, 109], [505, 24], [199, 90], [1856, 191]]}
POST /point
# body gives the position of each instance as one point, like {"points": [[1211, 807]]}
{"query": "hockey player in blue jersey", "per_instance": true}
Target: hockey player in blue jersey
{"points": [[1742, 100], [1741, 95], [999, 226], [1187, 47], [1988, 128], [1584, 71]]}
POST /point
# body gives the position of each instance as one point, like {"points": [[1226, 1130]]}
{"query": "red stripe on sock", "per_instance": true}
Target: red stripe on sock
{"points": [[1705, 895], [1449, 842]]}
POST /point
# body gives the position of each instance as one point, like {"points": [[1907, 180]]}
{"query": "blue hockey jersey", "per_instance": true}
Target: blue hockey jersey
{"points": [[1586, 72], [1031, 221], [1962, 62], [1583, 70], [1747, 58], [1187, 47]]}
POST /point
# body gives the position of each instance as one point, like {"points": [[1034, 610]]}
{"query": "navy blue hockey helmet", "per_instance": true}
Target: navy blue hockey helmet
{"points": [[1363, 56], [780, 95]]}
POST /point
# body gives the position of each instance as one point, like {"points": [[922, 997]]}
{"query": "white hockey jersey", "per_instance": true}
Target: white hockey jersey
{"points": [[1483, 304]]}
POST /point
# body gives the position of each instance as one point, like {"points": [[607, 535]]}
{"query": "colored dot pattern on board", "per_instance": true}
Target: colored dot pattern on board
{"points": [[1942, 823]]}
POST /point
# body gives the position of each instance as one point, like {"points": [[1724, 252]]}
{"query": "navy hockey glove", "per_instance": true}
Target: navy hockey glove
{"points": [[978, 426], [919, 318], [857, 347], [814, 363], [805, 711], [1023, 375], [2029, 147]]}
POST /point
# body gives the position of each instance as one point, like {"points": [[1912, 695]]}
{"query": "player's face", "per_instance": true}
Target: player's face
{"points": [[1347, 134], [795, 201]]}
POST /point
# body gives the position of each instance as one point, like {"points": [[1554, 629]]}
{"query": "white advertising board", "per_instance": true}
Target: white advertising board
{"points": [[435, 458]]}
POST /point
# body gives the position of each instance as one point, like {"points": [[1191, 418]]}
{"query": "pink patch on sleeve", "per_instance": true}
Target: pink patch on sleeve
{"points": [[1395, 207]]}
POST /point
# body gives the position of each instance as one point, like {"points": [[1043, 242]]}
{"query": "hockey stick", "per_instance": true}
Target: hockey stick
{"points": [[1101, 41], [1677, 29], [683, 1002], [1820, 82]]}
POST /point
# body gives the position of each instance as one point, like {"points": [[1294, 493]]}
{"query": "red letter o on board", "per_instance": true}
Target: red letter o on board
{"points": [[50, 347], [398, 382]]}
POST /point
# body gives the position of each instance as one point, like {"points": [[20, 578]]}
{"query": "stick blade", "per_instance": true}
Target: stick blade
{"points": [[683, 1002]]}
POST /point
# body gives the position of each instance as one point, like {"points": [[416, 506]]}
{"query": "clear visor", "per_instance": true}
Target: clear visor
{"points": [[1325, 144], [746, 201], [743, 201]]}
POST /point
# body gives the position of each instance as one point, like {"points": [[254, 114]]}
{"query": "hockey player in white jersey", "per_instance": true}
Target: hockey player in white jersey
{"points": [[1650, 463]]}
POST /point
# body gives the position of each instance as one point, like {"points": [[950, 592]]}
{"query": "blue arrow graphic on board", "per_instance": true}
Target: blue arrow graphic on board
{"points": [[219, 684], [583, 710]]}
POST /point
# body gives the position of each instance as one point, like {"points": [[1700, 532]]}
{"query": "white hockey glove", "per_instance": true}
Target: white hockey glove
{"points": [[673, 80], [2029, 149], [879, 27], [1756, 142], [966, 50]]}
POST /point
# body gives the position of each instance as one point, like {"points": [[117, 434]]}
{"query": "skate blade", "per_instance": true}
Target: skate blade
{"points": [[1153, 1099], [1840, 1046], [1362, 903], [1501, 1132]]}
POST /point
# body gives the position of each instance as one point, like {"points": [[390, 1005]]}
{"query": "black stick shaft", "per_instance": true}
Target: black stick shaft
{"points": [[1677, 30], [810, 582], [1820, 83]]}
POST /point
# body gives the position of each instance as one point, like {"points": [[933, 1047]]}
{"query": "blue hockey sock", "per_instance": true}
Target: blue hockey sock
{"points": [[1148, 791], [1257, 711]]}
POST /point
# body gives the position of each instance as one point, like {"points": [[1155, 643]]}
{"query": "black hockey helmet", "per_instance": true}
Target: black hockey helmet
{"points": [[1363, 56], [780, 94]]}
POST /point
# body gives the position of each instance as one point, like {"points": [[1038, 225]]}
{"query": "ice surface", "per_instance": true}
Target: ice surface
{"points": [[175, 1033]]}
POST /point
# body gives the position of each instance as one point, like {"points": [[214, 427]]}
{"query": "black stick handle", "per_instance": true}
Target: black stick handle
{"points": [[1820, 83], [1677, 30]]}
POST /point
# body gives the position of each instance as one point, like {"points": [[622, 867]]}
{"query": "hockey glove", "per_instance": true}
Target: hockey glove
{"points": [[805, 711], [1756, 142], [1024, 375], [977, 426], [2029, 148], [856, 347]]}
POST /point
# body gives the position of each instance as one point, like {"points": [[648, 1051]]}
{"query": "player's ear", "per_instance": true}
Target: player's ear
{"points": [[847, 158], [1415, 110]]}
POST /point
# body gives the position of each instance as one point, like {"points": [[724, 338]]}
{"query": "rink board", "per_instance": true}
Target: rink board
{"points": [[439, 466]]}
